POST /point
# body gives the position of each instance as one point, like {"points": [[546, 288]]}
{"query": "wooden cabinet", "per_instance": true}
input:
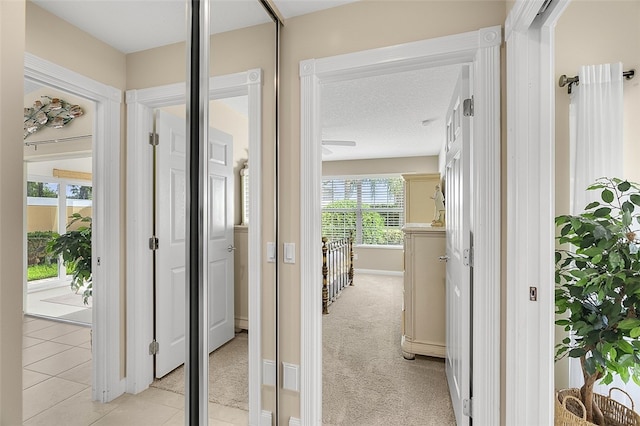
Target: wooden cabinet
{"points": [[424, 302], [419, 207]]}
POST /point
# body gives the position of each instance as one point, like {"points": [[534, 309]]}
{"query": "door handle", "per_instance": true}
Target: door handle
{"points": [[444, 258], [230, 248]]}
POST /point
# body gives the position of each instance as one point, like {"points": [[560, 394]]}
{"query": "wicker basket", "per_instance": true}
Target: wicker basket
{"points": [[568, 403]]}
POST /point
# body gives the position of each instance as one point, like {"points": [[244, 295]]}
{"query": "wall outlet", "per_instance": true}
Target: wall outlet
{"points": [[268, 372]]}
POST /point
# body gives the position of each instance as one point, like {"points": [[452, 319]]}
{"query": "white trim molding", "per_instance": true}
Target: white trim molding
{"points": [[140, 108], [482, 49], [107, 384], [529, 336]]}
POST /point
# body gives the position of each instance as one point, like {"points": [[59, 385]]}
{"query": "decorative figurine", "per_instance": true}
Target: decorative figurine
{"points": [[438, 217]]}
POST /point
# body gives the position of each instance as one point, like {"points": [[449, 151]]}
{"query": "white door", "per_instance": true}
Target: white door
{"points": [[457, 217], [220, 248], [171, 230]]}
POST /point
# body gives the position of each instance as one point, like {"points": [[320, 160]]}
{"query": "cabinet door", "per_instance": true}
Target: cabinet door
{"points": [[419, 206]]}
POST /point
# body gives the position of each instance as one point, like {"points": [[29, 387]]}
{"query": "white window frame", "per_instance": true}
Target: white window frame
{"points": [[62, 204]]}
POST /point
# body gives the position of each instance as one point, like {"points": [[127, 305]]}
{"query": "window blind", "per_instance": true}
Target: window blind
{"points": [[372, 208]]}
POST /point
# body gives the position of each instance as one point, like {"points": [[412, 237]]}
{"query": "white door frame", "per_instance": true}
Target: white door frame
{"points": [[530, 211], [106, 380], [482, 49], [140, 106]]}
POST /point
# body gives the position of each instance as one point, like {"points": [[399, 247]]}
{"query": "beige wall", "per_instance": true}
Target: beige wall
{"points": [[426, 164], [11, 239], [596, 32], [45, 218], [350, 28], [55, 40], [385, 259]]}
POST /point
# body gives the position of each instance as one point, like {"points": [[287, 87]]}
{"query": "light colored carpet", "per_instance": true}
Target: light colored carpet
{"points": [[366, 381], [228, 374]]}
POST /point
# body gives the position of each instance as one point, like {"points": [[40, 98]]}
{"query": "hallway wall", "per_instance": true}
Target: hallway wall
{"points": [[11, 247], [350, 28]]}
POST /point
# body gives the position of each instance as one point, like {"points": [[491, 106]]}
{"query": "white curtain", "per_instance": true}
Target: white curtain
{"points": [[595, 130], [595, 127]]}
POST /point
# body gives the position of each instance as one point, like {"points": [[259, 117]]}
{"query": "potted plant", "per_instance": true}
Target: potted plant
{"points": [[598, 290], [75, 248]]}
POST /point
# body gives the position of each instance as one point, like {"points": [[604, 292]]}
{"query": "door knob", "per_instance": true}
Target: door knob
{"points": [[444, 258], [230, 248]]}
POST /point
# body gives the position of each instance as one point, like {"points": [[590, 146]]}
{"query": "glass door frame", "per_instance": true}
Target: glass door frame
{"points": [[63, 184]]}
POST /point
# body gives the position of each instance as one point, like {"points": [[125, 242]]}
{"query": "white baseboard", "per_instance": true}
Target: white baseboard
{"points": [[294, 422], [265, 418], [242, 323], [378, 272]]}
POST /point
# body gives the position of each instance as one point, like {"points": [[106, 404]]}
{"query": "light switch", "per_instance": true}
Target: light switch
{"points": [[271, 252], [289, 253]]}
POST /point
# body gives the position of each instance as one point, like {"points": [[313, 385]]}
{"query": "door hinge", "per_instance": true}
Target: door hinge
{"points": [[467, 257], [467, 407], [154, 347], [154, 139], [153, 243], [467, 107]]}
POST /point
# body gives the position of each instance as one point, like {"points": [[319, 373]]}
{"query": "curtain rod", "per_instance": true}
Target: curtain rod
{"points": [[48, 141], [564, 80]]}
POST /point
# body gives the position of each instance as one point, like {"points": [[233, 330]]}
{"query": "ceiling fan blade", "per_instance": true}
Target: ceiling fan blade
{"points": [[339, 143], [326, 151]]}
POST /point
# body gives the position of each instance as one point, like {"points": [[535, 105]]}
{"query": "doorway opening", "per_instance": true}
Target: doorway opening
{"points": [[381, 134], [482, 49], [141, 109], [58, 199], [228, 333]]}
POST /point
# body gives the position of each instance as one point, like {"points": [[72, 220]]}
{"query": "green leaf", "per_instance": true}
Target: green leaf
{"points": [[576, 224], [625, 346], [577, 352], [592, 205], [629, 324], [602, 212], [607, 196], [635, 199], [626, 218], [628, 207], [624, 186], [635, 333]]}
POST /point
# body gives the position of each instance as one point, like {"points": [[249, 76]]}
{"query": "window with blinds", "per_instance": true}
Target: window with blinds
{"points": [[372, 208]]}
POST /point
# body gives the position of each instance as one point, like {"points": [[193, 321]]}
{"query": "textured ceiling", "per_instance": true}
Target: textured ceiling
{"points": [[384, 114]]}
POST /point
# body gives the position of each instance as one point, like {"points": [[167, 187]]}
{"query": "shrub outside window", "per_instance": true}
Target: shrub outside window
{"points": [[370, 207]]}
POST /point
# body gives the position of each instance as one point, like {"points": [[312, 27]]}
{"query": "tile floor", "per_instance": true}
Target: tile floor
{"points": [[57, 386], [43, 303]]}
